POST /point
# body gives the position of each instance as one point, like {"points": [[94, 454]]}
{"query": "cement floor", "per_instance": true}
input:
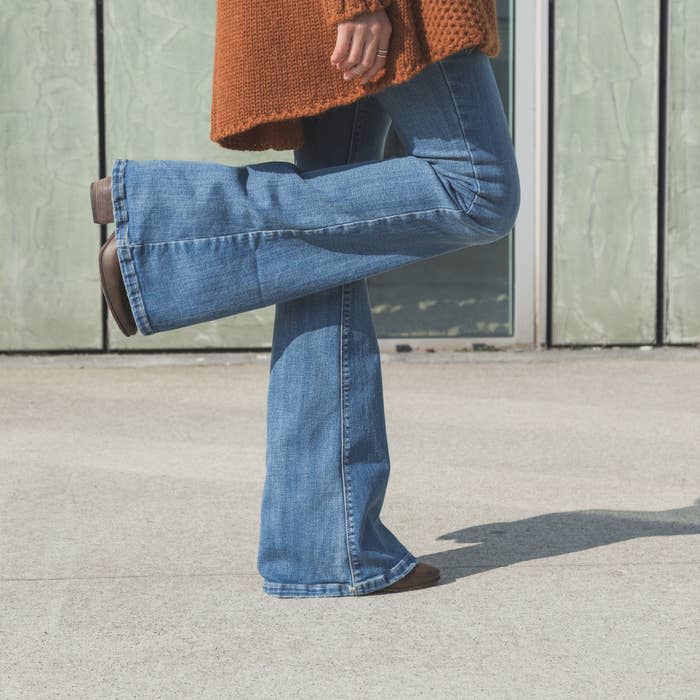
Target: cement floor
{"points": [[558, 492]]}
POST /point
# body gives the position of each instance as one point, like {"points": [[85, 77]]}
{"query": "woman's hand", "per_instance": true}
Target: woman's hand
{"points": [[357, 44]]}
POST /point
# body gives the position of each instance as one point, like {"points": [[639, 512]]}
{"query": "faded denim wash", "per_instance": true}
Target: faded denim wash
{"points": [[199, 241]]}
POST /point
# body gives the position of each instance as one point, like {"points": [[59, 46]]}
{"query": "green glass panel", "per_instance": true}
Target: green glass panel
{"points": [[605, 171], [682, 239], [49, 284]]}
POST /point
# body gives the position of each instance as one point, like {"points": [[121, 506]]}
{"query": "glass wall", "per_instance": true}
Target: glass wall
{"points": [[468, 293]]}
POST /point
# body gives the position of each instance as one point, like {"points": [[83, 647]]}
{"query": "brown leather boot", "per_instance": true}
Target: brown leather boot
{"points": [[421, 576], [113, 287], [101, 201]]}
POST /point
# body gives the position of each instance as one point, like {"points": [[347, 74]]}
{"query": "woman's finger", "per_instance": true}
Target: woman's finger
{"points": [[375, 60], [343, 42], [369, 56], [357, 49]]}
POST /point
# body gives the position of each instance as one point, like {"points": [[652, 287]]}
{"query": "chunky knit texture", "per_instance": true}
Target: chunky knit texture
{"points": [[272, 60]]}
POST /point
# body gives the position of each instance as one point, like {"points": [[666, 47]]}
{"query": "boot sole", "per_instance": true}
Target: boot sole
{"points": [[389, 589], [125, 328]]}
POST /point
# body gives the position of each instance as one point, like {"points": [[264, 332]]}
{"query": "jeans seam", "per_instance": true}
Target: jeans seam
{"points": [[319, 230], [257, 273], [344, 428], [464, 137], [345, 299], [354, 132]]}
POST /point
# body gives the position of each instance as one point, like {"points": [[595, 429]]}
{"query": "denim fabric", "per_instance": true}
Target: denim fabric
{"points": [[198, 241]]}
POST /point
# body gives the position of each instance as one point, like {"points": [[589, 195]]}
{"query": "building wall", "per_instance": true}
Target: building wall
{"points": [[605, 171], [682, 269], [158, 58], [606, 175], [49, 285]]}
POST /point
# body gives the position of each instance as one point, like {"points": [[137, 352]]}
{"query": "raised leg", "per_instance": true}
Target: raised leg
{"points": [[199, 241]]}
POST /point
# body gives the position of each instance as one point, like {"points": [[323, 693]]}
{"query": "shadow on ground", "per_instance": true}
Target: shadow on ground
{"points": [[495, 545]]}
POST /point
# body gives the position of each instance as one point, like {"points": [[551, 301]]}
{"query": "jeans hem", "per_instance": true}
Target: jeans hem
{"points": [[126, 260], [324, 590]]}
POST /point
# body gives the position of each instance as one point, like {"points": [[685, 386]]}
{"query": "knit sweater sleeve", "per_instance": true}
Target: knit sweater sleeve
{"points": [[335, 11]]}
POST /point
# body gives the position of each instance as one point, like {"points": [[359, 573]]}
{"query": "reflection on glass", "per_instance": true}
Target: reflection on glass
{"points": [[468, 293]]}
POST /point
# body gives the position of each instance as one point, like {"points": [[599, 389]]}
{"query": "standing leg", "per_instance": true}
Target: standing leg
{"points": [[327, 457]]}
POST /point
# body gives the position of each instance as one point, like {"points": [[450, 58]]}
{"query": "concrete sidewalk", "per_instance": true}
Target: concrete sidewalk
{"points": [[558, 491]]}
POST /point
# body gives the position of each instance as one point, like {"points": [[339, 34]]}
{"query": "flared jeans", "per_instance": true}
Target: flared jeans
{"points": [[198, 241]]}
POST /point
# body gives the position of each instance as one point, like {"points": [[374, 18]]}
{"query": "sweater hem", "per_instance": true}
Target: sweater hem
{"points": [[236, 137]]}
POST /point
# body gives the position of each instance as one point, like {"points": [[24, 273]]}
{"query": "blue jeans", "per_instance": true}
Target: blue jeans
{"points": [[199, 241]]}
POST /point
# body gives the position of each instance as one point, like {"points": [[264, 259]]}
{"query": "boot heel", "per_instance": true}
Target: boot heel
{"points": [[101, 201]]}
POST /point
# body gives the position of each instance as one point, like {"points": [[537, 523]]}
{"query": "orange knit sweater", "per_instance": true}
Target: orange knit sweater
{"points": [[272, 59]]}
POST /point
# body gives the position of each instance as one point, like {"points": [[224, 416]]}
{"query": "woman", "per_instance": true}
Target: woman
{"points": [[198, 241]]}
